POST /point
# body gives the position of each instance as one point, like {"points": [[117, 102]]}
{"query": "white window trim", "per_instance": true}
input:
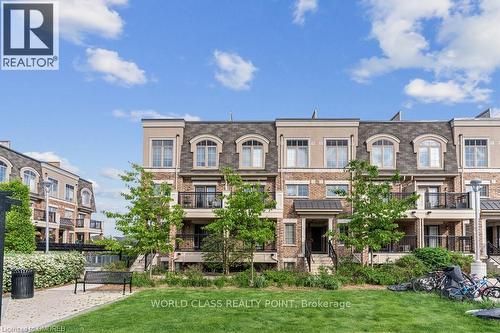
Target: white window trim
{"points": [[239, 149], [488, 149], [174, 151], [37, 176], [308, 153], [336, 195], [65, 190], [382, 136], [439, 139], [295, 234], [9, 168], [52, 193], [297, 196], [219, 144], [86, 190], [483, 182], [325, 164]]}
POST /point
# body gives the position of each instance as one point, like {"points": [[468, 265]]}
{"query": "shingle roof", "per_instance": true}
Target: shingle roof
{"points": [[490, 204], [406, 132], [327, 204], [228, 132]]}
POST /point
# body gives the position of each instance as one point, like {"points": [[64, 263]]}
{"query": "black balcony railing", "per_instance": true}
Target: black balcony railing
{"points": [[202, 200], [194, 242], [39, 215], [406, 244], [94, 224], [66, 222], [403, 195], [452, 243], [447, 200], [80, 223]]}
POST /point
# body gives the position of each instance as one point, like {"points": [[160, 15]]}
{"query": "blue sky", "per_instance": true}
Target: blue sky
{"points": [[259, 59]]}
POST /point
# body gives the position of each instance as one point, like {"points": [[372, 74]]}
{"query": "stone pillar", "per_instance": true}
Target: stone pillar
{"points": [[420, 230], [482, 238], [303, 236]]}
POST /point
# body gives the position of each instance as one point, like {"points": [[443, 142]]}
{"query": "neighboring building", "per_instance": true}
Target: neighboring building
{"points": [[71, 199], [301, 163]]}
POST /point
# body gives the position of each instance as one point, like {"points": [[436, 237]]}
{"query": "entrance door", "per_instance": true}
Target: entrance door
{"points": [[318, 243], [433, 235], [205, 196], [489, 235], [432, 196], [199, 235]]}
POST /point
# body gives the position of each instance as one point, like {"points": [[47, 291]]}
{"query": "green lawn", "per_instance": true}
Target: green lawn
{"points": [[239, 310]]}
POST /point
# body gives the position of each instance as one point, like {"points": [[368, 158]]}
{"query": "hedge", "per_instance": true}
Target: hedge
{"points": [[50, 269]]}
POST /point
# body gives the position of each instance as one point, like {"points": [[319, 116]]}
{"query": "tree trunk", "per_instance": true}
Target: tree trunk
{"points": [[371, 257], [252, 269], [150, 265]]}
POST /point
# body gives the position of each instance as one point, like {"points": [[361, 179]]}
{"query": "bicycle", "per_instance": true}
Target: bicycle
{"points": [[466, 289], [492, 293]]}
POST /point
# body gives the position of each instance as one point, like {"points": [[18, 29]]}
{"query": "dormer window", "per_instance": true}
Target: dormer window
{"points": [[29, 179], [3, 172], [382, 154], [86, 198], [206, 154], [429, 152], [253, 152]]}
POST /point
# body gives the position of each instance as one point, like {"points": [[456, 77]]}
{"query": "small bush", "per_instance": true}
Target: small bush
{"points": [[142, 280], [462, 260], [434, 257], [117, 266], [220, 282]]}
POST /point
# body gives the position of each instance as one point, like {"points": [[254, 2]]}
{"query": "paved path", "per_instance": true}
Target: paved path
{"points": [[52, 305]]}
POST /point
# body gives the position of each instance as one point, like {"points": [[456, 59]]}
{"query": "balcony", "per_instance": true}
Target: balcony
{"points": [[94, 224], [66, 222], [194, 242], [447, 200], [452, 243], [80, 223], [39, 215], [406, 244], [200, 200]]}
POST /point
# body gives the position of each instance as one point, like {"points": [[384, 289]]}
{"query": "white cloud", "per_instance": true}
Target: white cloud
{"points": [[79, 18], [302, 7], [233, 71], [462, 55], [137, 115], [50, 156], [495, 112], [113, 68], [111, 173]]}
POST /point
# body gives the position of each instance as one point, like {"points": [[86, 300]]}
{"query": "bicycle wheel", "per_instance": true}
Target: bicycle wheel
{"points": [[426, 284], [452, 293], [491, 294]]}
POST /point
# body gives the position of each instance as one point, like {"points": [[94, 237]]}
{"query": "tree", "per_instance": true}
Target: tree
{"points": [[241, 215], [19, 230], [375, 210], [150, 216], [221, 250]]}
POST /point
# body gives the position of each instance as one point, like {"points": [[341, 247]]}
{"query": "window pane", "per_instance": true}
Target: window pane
{"points": [[291, 190], [200, 156], [157, 153], [481, 156], [289, 233], [377, 156], [3, 172], [424, 157], [168, 156], [303, 191], [388, 157], [331, 157], [435, 157], [332, 190], [302, 157], [257, 157], [342, 157], [247, 158], [212, 156], [291, 155], [469, 156]]}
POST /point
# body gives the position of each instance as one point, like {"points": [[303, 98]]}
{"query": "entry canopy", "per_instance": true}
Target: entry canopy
{"points": [[318, 206]]}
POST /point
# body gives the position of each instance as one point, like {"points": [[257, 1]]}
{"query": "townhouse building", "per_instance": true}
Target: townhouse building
{"points": [[71, 198], [301, 163]]}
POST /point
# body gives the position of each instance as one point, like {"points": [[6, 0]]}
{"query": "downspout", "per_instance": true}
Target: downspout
{"points": [[461, 157], [177, 160], [351, 152], [281, 166]]}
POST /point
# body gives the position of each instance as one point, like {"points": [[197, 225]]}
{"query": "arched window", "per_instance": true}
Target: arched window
{"points": [[429, 152], [253, 154], [382, 154], [3, 172], [29, 179], [86, 197], [206, 154]]}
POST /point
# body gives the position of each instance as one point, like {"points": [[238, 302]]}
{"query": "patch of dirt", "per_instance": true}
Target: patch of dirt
{"points": [[363, 287]]}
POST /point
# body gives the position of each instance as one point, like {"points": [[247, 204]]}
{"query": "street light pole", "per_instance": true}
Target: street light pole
{"points": [[478, 267], [47, 186]]}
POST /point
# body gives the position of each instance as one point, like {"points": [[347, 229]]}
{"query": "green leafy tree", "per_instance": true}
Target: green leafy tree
{"points": [[20, 231], [375, 210], [150, 215], [241, 215], [220, 249]]}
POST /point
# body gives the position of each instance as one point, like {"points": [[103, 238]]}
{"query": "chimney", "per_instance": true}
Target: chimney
{"points": [[5, 143], [397, 117], [56, 164]]}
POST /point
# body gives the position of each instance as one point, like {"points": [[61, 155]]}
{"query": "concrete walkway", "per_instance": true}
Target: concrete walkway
{"points": [[52, 305]]}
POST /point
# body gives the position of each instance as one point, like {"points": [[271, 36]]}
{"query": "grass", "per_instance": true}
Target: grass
{"points": [[369, 311]]}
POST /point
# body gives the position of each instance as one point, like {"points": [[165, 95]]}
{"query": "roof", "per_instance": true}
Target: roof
{"points": [[325, 204], [406, 132], [229, 132], [490, 204]]}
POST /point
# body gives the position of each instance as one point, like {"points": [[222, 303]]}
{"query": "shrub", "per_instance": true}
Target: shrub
{"points": [[19, 231], [434, 257], [173, 279], [50, 269], [120, 266], [462, 260], [220, 282], [410, 266], [142, 280]]}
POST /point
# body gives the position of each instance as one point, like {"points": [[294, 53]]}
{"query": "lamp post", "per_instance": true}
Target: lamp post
{"points": [[478, 267], [47, 186]]}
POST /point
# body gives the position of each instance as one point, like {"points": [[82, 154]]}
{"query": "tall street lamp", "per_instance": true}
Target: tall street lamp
{"points": [[47, 187], [477, 267]]}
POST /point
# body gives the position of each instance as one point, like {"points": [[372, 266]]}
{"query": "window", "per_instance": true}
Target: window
{"points": [[206, 154], [29, 179], [382, 154], [289, 233], [86, 197], [54, 187], [289, 266], [333, 190], [68, 214], [476, 153], [336, 153], [484, 191], [3, 172], [343, 230], [69, 193], [163, 153], [253, 153], [297, 153], [429, 152], [297, 190]]}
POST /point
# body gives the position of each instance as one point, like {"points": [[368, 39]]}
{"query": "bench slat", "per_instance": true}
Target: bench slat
{"points": [[105, 277]]}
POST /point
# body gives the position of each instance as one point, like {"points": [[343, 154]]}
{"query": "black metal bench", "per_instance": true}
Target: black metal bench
{"points": [[104, 277]]}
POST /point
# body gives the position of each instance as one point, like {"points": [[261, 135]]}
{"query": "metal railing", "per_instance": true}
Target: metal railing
{"points": [[333, 255], [94, 224], [406, 244], [493, 252], [202, 200], [452, 243], [39, 215], [308, 256], [80, 223], [40, 246], [66, 221], [189, 242], [447, 200], [403, 195]]}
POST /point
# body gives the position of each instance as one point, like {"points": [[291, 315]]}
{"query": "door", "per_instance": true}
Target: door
{"points": [[205, 196], [318, 239], [432, 196], [199, 234], [433, 235], [489, 235]]}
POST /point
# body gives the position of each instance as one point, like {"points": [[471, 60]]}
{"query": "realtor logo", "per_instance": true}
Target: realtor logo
{"points": [[30, 35]]}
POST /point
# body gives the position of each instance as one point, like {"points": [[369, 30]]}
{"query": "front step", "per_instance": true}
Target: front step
{"points": [[318, 260], [493, 264]]}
